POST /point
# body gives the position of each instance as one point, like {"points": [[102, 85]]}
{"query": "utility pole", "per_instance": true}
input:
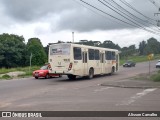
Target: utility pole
{"points": [[30, 62], [158, 21], [72, 37], [158, 13]]}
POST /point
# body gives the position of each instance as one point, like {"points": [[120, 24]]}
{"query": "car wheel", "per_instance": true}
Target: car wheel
{"points": [[36, 77], [47, 76]]}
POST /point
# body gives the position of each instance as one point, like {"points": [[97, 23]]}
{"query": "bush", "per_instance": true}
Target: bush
{"points": [[156, 77], [6, 77]]}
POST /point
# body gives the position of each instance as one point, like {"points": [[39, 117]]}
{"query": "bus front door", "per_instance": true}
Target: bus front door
{"points": [[102, 64], [85, 64]]}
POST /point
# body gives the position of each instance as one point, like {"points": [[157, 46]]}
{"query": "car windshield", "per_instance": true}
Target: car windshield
{"points": [[44, 67]]}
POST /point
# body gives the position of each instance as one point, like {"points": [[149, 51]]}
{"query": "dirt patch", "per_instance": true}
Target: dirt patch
{"points": [[13, 74], [142, 76]]}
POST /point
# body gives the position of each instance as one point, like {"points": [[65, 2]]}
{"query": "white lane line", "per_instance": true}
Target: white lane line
{"points": [[102, 89], [137, 96]]}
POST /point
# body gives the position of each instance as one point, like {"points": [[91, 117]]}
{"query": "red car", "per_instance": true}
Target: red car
{"points": [[44, 72]]}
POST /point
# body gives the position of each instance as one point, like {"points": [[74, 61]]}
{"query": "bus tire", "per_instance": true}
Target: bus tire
{"points": [[91, 73], [112, 71], [71, 77]]}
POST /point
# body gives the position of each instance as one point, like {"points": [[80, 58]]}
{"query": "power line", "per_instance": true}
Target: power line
{"points": [[134, 17], [118, 18], [132, 14], [95, 12], [130, 6], [152, 1], [91, 9], [124, 9], [106, 13], [137, 24]]}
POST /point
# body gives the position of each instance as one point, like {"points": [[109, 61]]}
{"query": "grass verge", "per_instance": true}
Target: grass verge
{"points": [[27, 72], [156, 77], [139, 58], [7, 77]]}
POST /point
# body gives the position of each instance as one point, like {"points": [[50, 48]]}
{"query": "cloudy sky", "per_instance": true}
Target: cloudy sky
{"points": [[53, 20]]}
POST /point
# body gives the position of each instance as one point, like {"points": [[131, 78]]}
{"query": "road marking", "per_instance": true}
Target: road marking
{"points": [[25, 105], [137, 96], [102, 89], [4, 104]]}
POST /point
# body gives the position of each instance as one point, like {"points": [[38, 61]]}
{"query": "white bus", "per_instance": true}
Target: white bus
{"points": [[82, 60]]}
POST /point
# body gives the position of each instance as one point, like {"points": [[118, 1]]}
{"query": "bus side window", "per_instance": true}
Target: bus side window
{"points": [[113, 56], [77, 53], [108, 55], [91, 54], [97, 55]]}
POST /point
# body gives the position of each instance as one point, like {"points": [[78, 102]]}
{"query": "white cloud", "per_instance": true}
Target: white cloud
{"points": [[53, 20]]}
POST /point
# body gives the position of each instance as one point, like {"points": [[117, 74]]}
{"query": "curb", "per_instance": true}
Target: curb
{"points": [[134, 87]]}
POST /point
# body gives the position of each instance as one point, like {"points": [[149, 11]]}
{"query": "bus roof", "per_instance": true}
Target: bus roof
{"points": [[81, 45]]}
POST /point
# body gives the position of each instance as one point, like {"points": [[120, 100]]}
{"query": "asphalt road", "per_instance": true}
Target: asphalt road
{"points": [[61, 94]]}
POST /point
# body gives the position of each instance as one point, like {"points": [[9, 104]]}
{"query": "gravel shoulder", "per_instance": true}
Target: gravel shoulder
{"points": [[139, 81]]}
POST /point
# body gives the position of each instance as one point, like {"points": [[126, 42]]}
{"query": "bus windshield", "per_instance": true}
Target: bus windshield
{"points": [[60, 49]]}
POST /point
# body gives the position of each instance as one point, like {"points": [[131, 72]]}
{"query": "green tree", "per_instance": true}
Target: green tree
{"points": [[151, 46], [46, 49], [35, 47], [142, 46], [105, 44], [110, 44], [128, 51], [12, 50]]}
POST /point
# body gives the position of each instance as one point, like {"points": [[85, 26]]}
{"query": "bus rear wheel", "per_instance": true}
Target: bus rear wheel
{"points": [[112, 71], [91, 73], [71, 77]]}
